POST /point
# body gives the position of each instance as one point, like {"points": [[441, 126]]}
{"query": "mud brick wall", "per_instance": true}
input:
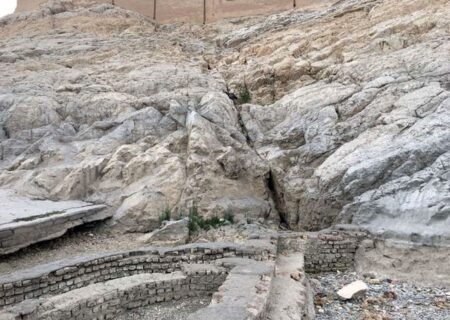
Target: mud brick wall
{"points": [[70, 274], [106, 301], [324, 251], [331, 251]]}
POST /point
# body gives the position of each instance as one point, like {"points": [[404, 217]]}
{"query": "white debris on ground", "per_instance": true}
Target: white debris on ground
{"points": [[355, 289], [385, 299]]}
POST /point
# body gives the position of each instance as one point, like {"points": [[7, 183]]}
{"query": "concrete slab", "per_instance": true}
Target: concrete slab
{"points": [[24, 221], [14, 208]]}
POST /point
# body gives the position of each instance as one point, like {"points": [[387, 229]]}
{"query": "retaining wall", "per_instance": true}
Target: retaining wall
{"points": [[70, 274], [107, 300], [331, 251], [195, 11], [325, 251]]}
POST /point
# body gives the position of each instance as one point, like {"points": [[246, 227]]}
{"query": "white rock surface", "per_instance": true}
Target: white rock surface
{"points": [[16, 208], [349, 120]]}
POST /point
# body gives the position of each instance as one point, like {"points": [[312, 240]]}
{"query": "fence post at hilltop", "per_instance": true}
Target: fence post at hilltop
{"points": [[204, 11]]}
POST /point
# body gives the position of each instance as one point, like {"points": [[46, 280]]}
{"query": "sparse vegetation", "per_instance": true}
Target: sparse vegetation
{"points": [[197, 222], [165, 216], [245, 95]]}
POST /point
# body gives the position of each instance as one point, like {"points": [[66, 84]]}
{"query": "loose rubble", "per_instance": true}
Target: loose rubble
{"points": [[386, 299], [173, 310]]}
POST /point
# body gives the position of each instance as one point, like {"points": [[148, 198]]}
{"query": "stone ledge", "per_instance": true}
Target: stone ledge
{"points": [[19, 234]]}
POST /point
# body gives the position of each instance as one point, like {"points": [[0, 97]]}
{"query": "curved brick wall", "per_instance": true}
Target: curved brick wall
{"points": [[108, 299], [107, 284], [70, 274]]}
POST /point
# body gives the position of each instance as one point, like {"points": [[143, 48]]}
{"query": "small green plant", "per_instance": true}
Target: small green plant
{"points": [[165, 216], [194, 218], [197, 222], [244, 94]]}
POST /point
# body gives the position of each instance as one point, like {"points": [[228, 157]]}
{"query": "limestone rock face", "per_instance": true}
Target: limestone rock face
{"points": [[355, 124], [349, 118]]}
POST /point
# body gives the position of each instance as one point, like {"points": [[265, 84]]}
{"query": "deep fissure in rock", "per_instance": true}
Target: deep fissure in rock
{"points": [[278, 199]]}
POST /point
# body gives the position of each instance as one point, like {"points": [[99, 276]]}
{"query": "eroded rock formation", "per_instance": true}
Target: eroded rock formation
{"points": [[349, 119]]}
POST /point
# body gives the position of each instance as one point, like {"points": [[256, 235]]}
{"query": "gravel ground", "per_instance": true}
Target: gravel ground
{"points": [[173, 310], [386, 299]]}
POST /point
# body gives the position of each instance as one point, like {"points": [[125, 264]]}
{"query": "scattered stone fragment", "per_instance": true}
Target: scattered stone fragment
{"points": [[296, 276], [353, 290], [374, 281], [390, 295]]}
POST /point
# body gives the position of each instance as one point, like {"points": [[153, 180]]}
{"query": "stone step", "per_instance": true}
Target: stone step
{"points": [[244, 293]]}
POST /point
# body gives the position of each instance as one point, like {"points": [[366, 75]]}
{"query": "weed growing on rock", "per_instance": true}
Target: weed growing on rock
{"points": [[165, 216], [197, 222], [244, 94]]}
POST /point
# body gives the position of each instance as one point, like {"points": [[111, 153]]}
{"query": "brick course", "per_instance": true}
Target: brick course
{"points": [[70, 274]]}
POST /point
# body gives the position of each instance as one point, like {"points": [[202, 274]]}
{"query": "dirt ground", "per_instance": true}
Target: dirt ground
{"points": [[91, 238]]}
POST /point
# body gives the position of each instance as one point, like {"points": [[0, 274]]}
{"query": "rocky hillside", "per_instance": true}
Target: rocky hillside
{"points": [[343, 116]]}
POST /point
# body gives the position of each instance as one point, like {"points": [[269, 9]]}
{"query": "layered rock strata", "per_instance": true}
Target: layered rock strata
{"points": [[348, 120]]}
